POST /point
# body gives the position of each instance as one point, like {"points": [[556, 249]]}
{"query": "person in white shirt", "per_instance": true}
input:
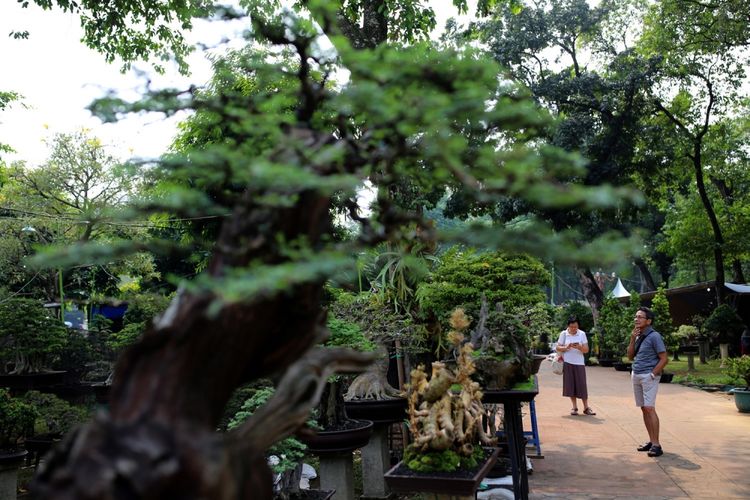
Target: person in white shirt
{"points": [[572, 345]]}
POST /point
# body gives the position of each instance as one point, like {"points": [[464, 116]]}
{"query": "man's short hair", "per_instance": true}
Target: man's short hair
{"points": [[573, 319], [648, 312]]}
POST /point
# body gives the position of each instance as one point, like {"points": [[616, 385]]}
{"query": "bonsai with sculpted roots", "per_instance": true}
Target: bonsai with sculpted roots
{"points": [[445, 413]]}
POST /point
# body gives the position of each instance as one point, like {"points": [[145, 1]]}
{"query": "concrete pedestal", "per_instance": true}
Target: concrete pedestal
{"points": [[691, 361], [375, 463], [337, 473]]}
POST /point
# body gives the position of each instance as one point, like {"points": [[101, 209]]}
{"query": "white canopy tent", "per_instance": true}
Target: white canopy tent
{"points": [[619, 291]]}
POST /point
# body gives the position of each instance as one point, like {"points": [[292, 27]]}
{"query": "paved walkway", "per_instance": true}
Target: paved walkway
{"points": [[706, 443]]}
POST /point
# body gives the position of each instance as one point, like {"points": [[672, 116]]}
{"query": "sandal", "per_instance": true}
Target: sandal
{"points": [[589, 411], [645, 447], [655, 451], [574, 411]]}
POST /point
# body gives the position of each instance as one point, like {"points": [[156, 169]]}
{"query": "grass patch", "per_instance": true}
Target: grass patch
{"points": [[709, 373], [528, 385]]}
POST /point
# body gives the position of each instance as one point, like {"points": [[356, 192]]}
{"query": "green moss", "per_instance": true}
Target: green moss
{"points": [[526, 385], [442, 461]]}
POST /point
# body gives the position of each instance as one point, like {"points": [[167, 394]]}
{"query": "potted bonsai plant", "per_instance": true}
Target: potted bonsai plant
{"points": [[29, 339], [16, 423], [726, 326], [501, 343], [739, 368], [55, 418], [285, 457], [445, 417]]}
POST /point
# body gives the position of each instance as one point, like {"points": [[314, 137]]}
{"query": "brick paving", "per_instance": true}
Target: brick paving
{"points": [[706, 443]]}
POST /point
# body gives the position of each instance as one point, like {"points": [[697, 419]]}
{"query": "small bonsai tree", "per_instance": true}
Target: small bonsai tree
{"points": [[16, 421], [54, 415], [687, 334], [725, 324], [445, 412], [285, 457], [29, 336], [739, 368]]}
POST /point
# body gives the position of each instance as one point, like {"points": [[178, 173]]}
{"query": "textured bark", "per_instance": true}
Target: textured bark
{"points": [[647, 277], [169, 390], [591, 291]]}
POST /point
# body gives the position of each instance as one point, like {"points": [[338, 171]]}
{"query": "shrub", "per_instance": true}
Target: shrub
{"points": [[54, 415], [29, 336], [725, 324], [739, 368], [16, 420]]}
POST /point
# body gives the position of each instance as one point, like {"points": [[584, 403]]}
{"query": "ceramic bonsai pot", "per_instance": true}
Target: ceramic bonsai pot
{"points": [[380, 411], [742, 399], [666, 378], [401, 479], [606, 363], [622, 367], [339, 441], [537, 362]]}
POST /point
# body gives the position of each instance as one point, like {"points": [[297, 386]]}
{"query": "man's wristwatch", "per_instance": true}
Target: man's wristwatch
{"points": [[653, 377]]}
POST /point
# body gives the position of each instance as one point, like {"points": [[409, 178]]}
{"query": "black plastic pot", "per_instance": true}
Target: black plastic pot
{"points": [[622, 367]]}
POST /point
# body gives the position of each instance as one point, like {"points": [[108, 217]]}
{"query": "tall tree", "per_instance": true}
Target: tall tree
{"points": [[700, 79], [575, 59]]}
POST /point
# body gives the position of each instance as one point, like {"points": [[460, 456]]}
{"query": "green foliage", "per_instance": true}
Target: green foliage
{"points": [[616, 324], [739, 368], [347, 334], [577, 309], [725, 324], [16, 420], [463, 276], [54, 415], [290, 451], [663, 319], [29, 336], [378, 321], [442, 461], [687, 333], [142, 308]]}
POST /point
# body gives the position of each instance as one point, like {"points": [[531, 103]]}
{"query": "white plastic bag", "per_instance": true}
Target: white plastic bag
{"points": [[557, 364]]}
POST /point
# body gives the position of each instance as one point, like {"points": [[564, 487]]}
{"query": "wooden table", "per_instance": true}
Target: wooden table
{"points": [[513, 423]]}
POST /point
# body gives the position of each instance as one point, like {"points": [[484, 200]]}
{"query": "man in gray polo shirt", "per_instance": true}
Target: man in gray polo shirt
{"points": [[647, 348]]}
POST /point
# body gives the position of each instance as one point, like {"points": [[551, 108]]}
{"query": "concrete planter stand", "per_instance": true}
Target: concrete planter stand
{"points": [[9, 464], [375, 455], [335, 451]]}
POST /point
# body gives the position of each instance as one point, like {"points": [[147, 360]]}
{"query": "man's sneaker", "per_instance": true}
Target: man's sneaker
{"points": [[644, 447]]}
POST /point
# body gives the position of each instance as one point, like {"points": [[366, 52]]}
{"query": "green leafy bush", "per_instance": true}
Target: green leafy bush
{"points": [[54, 415], [739, 368], [29, 336], [16, 420], [616, 324], [142, 308], [725, 324], [290, 451], [463, 276]]}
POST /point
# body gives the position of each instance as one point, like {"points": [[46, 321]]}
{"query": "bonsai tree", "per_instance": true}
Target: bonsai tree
{"points": [[725, 324], [16, 421], [445, 411], [54, 415], [686, 334], [29, 336], [501, 342], [739, 368], [284, 457]]}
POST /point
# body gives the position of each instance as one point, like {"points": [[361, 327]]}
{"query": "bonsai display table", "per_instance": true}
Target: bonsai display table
{"points": [[513, 424]]}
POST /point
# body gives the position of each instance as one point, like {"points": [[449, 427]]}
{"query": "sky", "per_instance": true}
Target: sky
{"points": [[59, 77]]}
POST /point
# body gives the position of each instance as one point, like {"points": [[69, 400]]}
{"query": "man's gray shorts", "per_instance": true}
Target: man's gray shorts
{"points": [[645, 388]]}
